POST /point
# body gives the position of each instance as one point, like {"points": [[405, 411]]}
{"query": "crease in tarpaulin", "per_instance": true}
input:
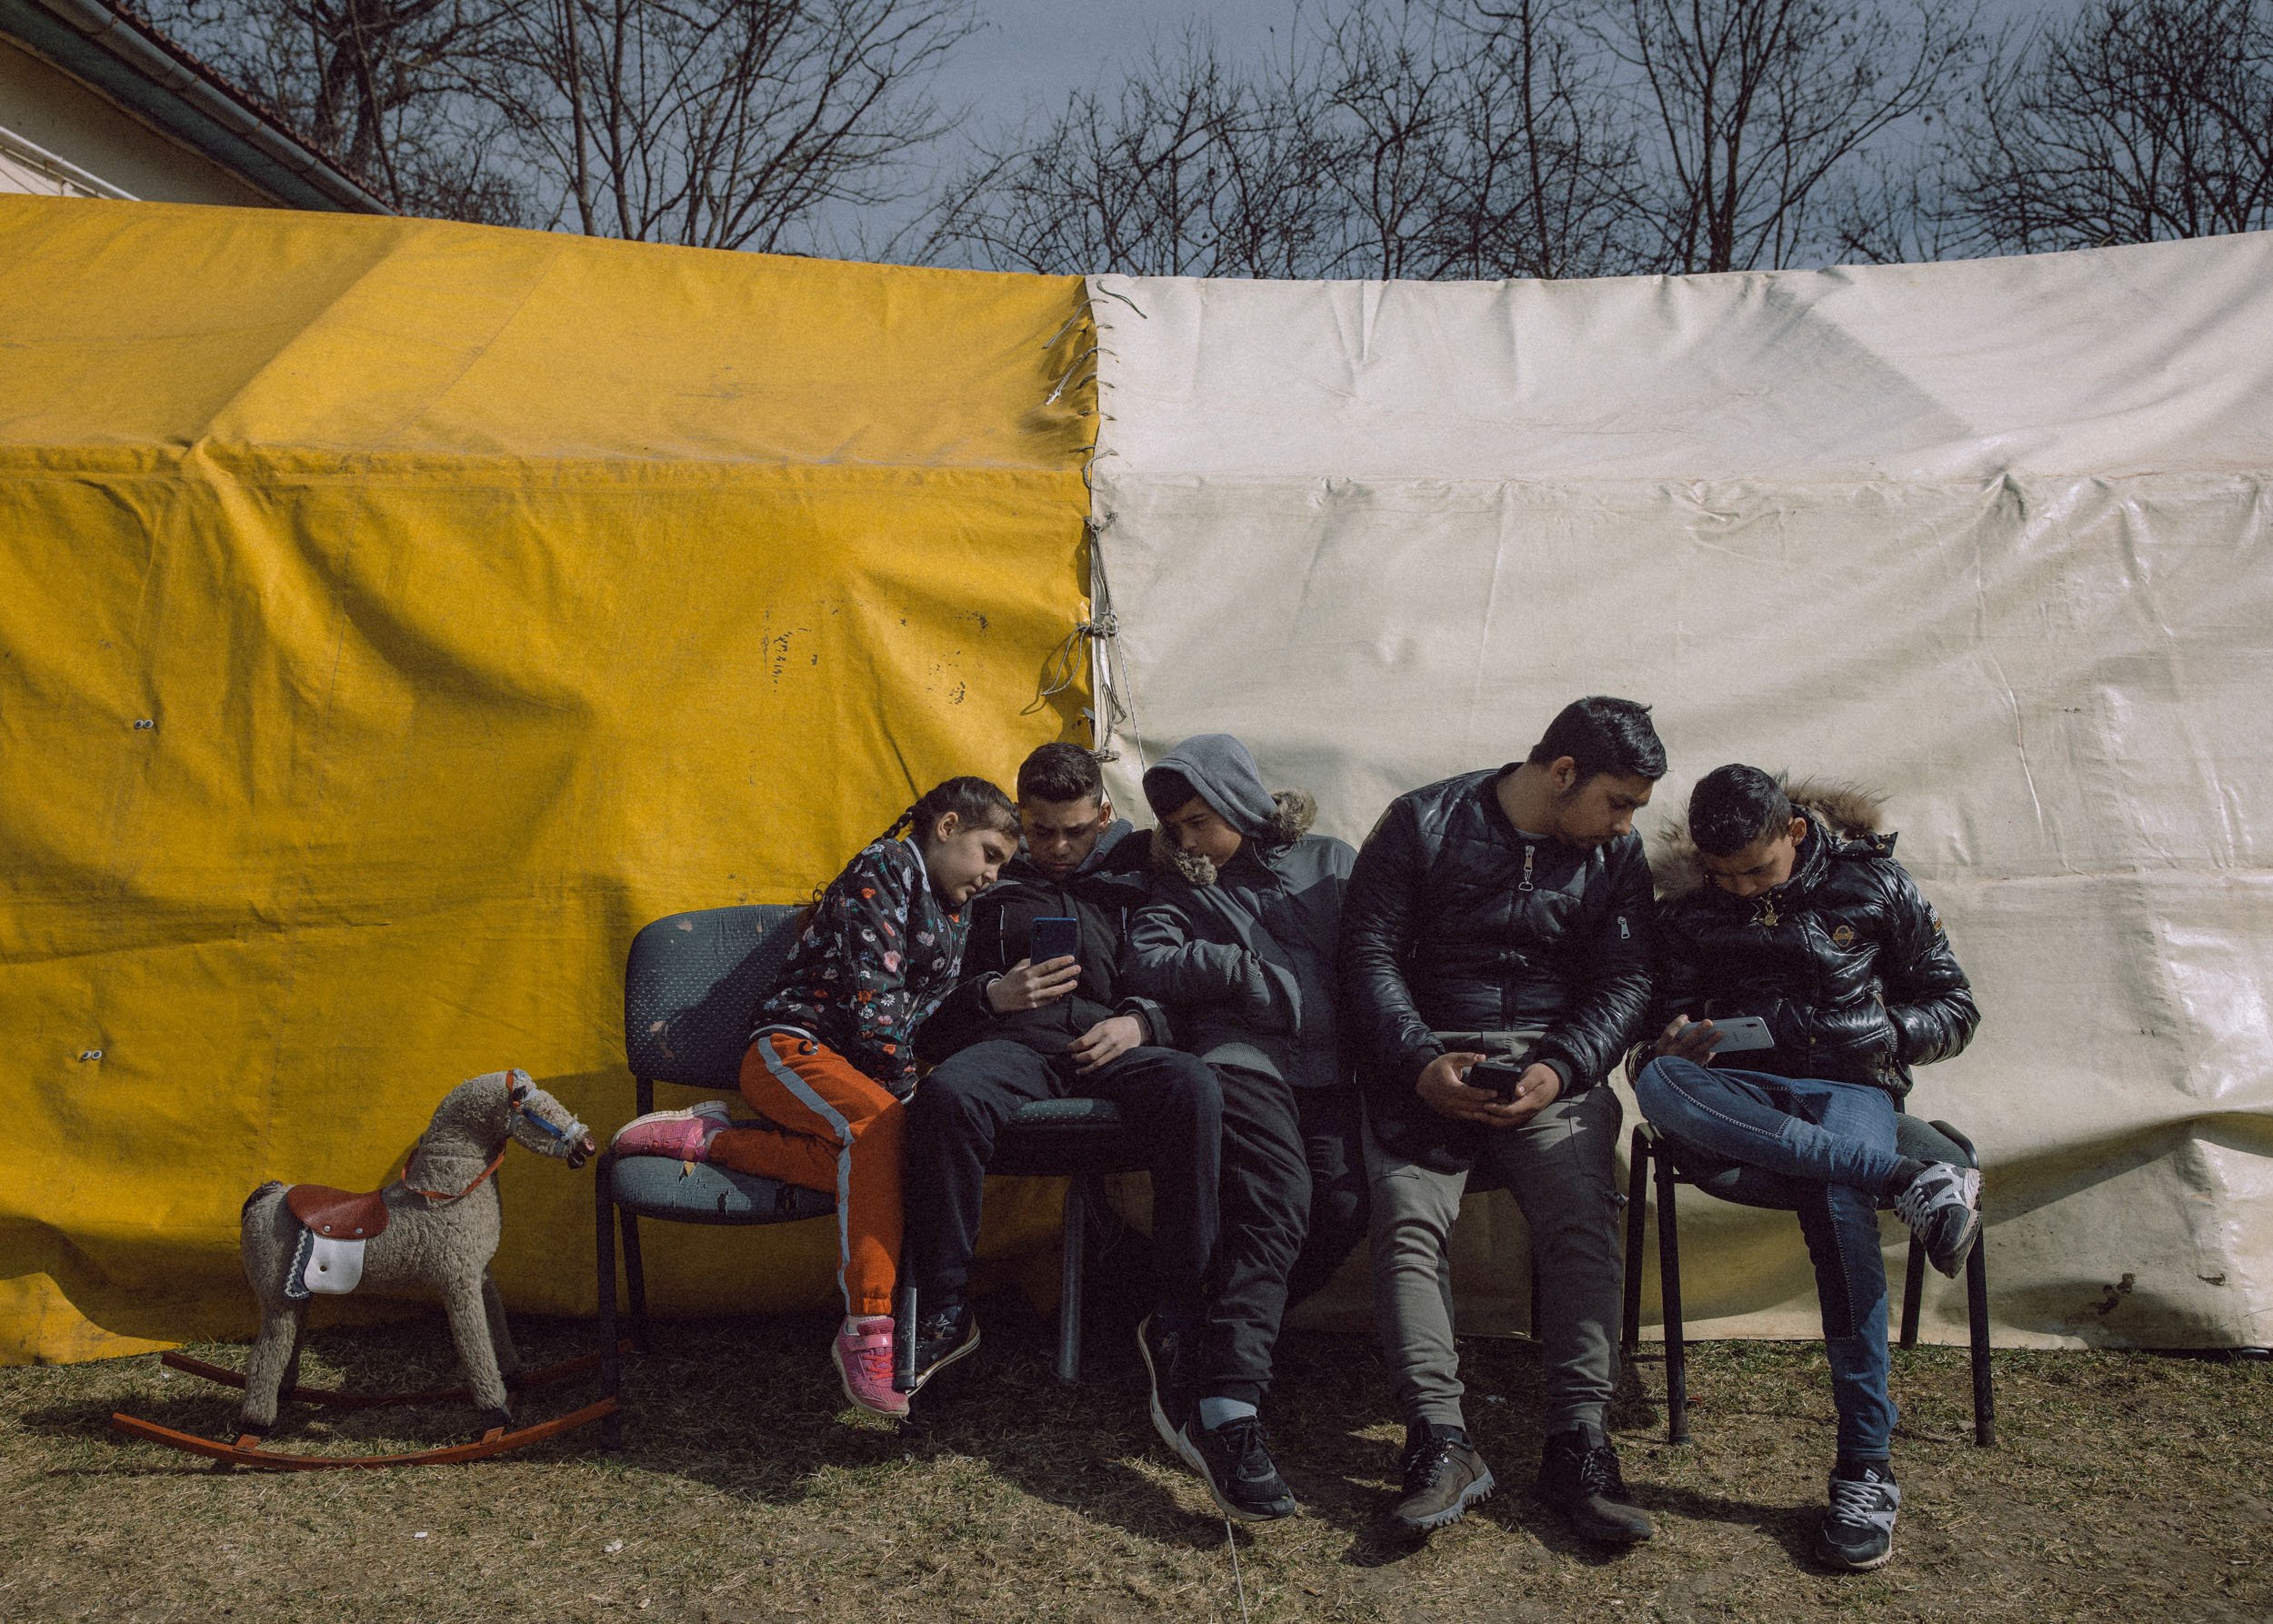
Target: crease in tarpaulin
{"points": [[1113, 696]]}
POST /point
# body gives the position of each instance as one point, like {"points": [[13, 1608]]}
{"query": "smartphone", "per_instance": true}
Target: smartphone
{"points": [[1737, 1033], [1054, 938], [1499, 1074]]}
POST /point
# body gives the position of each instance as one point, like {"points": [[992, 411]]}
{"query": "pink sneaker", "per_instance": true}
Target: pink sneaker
{"points": [[682, 1136], [863, 1352]]}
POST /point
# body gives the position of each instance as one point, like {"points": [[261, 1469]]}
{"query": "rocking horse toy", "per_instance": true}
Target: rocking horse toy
{"points": [[436, 1227]]}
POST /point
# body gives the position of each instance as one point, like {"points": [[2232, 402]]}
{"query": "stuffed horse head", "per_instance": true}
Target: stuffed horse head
{"points": [[538, 1122]]}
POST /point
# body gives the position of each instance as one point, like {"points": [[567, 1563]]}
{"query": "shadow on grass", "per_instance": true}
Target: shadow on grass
{"points": [[751, 1408], [410, 1356]]}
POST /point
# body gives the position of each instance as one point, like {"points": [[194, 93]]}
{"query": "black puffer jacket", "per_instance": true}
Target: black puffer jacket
{"points": [[1104, 894], [1845, 961], [1456, 921]]}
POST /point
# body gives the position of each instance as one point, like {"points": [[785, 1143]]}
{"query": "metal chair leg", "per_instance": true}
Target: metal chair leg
{"points": [[1912, 1291], [611, 1362], [904, 1311], [1070, 1279], [1669, 1289], [1636, 1216], [636, 1277], [1977, 1308], [1978, 1324]]}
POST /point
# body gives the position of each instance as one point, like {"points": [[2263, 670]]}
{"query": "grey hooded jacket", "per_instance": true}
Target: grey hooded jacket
{"points": [[1244, 956]]}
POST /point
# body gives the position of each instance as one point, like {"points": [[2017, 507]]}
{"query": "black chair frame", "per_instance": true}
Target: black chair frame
{"points": [[1650, 1160]]}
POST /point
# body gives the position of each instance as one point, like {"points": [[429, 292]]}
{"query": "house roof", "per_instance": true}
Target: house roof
{"points": [[128, 61]]}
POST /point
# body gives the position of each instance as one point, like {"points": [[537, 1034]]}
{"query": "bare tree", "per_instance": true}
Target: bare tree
{"points": [[721, 124], [1388, 115], [1540, 172], [1187, 170], [1760, 105], [1439, 138], [2139, 120], [374, 85]]}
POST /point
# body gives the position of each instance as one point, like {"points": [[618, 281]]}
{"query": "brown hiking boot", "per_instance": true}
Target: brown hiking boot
{"points": [[1579, 1477], [1443, 1477]]}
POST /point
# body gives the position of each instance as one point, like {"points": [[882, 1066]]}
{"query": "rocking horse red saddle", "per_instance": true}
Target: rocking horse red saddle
{"points": [[338, 1213]]}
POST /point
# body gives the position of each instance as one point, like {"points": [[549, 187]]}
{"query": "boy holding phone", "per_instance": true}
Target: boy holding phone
{"points": [[1839, 979], [1041, 1014], [1495, 964]]}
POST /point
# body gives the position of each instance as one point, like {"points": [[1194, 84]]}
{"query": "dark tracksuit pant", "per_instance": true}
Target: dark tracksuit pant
{"points": [[1294, 1206], [1168, 1100]]}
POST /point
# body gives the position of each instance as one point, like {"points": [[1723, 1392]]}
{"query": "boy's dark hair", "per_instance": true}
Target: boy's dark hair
{"points": [[973, 800], [1602, 735], [1060, 773], [1734, 806], [1166, 790]]}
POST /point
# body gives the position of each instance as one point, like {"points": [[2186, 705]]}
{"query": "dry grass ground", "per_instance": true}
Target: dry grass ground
{"points": [[2127, 1487]]}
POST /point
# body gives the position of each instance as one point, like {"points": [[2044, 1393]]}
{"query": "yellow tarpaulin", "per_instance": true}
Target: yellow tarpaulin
{"points": [[394, 617]]}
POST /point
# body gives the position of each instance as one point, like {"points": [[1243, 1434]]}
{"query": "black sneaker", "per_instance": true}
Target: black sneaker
{"points": [[942, 1336], [1443, 1477], [1857, 1532], [1579, 1477], [1236, 1467], [1942, 1206], [1171, 1405]]}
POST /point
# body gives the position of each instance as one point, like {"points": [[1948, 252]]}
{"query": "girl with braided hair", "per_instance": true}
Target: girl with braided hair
{"points": [[832, 1059]]}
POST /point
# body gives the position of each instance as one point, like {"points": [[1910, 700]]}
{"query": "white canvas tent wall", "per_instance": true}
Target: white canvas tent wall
{"points": [[1993, 537]]}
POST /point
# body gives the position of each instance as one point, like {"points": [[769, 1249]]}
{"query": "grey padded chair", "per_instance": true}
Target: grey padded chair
{"points": [[689, 987], [1676, 1163]]}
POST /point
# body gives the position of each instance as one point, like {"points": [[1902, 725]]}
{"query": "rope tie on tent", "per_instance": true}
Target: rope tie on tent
{"points": [[1115, 293], [1109, 713], [1063, 668], [1066, 377]]}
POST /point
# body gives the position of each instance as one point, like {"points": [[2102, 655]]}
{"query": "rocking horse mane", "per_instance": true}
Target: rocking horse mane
{"points": [[467, 1130]]}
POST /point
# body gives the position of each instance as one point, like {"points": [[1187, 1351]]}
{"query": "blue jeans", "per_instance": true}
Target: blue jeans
{"points": [[1826, 1150]]}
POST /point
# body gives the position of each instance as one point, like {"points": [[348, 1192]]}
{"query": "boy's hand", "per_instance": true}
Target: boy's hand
{"points": [[1539, 1087], [1687, 1039], [1109, 1039], [1029, 986], [1443, 1088]]}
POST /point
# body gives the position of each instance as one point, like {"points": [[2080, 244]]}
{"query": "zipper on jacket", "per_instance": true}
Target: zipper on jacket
{"points": [[1530, 856]]}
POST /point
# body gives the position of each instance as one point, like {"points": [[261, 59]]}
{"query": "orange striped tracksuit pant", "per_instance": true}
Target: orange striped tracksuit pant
{"points": [[830, 1127]]}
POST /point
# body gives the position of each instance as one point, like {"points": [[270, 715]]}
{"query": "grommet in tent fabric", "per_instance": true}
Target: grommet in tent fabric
{"points": [[144, 724], [90, 1054]]}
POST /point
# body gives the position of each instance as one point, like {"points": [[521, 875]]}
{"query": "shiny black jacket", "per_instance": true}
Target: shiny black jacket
{"points": [[1846, 961], [1102, 895], [1455, 921]]}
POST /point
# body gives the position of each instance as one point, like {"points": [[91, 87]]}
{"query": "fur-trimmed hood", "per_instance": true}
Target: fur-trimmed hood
{"points": [[1845, 813], [1294, 811]]}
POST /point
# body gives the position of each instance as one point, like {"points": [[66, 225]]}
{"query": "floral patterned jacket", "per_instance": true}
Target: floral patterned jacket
{"points": [[877, 954]]}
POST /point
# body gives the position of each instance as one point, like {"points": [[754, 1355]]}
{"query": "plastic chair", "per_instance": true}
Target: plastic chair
{"points": [[689, 987], [1674, 1164]]}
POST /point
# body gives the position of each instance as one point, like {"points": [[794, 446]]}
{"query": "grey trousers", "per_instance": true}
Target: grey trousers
{"points": [[1560, 1168]]}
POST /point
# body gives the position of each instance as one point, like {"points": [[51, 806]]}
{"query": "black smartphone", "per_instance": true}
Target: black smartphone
{"points": [[1501, 1073], [1054, 938]]}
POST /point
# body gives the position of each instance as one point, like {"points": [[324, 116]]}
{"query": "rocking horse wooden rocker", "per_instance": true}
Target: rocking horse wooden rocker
{"points": [[436, 1227]]}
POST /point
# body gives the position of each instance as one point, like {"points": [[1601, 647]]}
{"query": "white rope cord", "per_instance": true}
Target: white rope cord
{"points": [[1232, 1540]]}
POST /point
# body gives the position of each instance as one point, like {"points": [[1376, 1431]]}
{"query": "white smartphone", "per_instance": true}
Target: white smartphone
{"points": [[1738, 1033]]}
